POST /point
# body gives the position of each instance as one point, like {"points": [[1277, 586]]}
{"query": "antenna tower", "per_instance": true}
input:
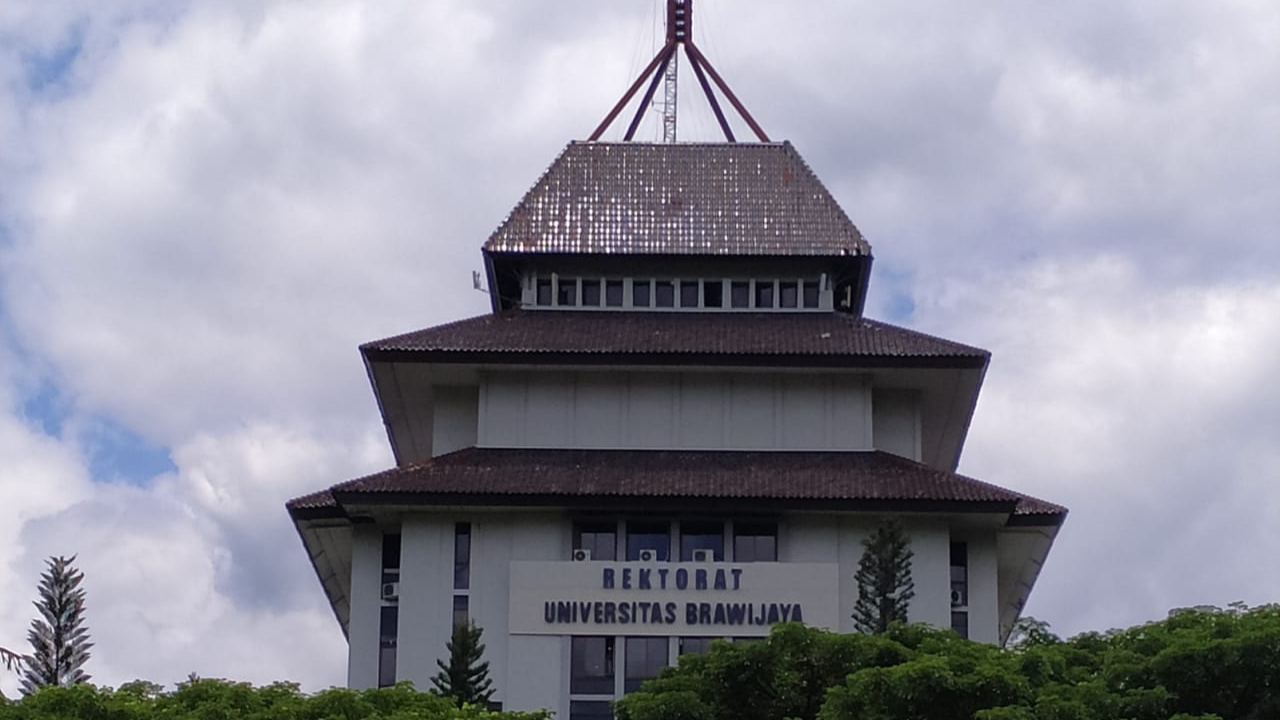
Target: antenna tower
{"points": [[663, 67]]}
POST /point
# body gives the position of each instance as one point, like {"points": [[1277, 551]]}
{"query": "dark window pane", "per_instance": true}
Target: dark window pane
{"points": [[613, 293], [695, 645], [764, 293], [567, 291], [640, 293], [960, 623], [959, 554], [688, 293], [591, 292], [811, 293], [591, 709], [740, 294], [755, 542], [544, 292], [591, 665], [789, 294], [712, 293], [391, 551], [648, 536], [462, 556], [388, 628], [664, 293], [460, 608], [600, 538], [701, 536], [646, 656]]}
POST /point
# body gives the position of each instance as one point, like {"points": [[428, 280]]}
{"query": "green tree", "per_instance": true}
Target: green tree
{"points": [[11, 662], [59, 639], [884, 579], [466, 676]]}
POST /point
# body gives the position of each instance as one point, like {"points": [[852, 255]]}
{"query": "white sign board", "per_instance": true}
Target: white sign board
{"points": [[663, 598]]}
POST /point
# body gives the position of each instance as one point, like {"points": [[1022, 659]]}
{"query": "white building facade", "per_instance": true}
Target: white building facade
{"points": [[675, 425]]}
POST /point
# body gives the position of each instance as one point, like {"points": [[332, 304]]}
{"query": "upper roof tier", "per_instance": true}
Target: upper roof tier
{"points": [[740, 199]]}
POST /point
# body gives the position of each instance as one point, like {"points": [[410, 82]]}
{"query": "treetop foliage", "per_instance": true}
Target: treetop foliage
{"points": [[205, 699], [465, 678], [59, 639], [1199, 664], [885, 587]]}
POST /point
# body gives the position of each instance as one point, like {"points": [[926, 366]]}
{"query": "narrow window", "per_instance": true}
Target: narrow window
{"points": [[591, 665], [960, 623], [591, 709], [701, 536], [740, 294], [390, 558], [755, 542], [640, 293], [646, 656], [713, 293], [648, 536], [599, 539], [764, 294], [664, 293], [544, 292], [789, 294], [462, 556], [388, 628], [811, 293], [591, 292], [688, 293], [959, 575], [695, 645], [460, 610], [613, 293], [567, 292]]}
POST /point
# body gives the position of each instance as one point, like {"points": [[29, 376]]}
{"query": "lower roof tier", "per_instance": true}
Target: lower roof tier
{"points": [[872, 481]]}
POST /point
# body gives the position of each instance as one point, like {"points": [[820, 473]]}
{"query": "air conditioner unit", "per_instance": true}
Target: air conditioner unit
{"points": [[704, 556], [648, 556], [391, 591], [581, 555], [958, 598]]}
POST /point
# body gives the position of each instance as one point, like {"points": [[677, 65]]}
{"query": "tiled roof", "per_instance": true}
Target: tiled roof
{"points": [[783, 479], [637, 334], [679, 198]]}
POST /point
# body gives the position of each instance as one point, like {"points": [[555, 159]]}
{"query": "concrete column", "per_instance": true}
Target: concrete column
{"points": [[426, 597], [366, 607]]}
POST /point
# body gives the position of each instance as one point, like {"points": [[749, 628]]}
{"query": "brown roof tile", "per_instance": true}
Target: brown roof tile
{"points": [[781, 478], [681, 198], [637, 334]]}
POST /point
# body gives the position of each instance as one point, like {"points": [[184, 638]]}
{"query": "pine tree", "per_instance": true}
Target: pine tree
{"points": [[59, 639], [465, 678], [884, 579]]}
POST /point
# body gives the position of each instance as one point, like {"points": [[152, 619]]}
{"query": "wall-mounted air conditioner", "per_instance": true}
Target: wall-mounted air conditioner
{"points": [[581, 555], [648, 556], [391, 591], [702, 555], [958, 599]]}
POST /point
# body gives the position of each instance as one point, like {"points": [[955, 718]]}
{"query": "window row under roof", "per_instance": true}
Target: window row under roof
{"points": [[649, 293]]}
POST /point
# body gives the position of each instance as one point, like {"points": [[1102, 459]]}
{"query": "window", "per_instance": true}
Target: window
{"points": [[712, 293], [664, 293], [788, 294], [600, 538], [460, 610], [388, 628], [688, 293], [648, 536], [701, 536], [591, 292], [613, 293], [740, 294], [391, 557], [591, 665], [959, 575], [646, 656], [811, 293], [462, 556], [567, 292], [640, 293], [764, 293], [695, 645], [755, 542], [590, 710], [960, 623], [544, 292]]}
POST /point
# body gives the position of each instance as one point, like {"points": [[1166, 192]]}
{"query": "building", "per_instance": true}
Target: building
{"points": [[675, 425]]}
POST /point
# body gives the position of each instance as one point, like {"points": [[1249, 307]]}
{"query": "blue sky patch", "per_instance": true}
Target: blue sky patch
{"points": [[116, 453], [48, 69]]}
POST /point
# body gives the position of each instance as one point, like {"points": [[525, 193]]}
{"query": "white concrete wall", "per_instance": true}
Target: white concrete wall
{"points": [[931, 572], [455, 418], [984, 602], [366, 607], [426, 596], [896, 422], [710, 411]]}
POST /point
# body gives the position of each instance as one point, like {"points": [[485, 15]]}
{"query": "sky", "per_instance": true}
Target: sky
{"points": [[206, 206]]}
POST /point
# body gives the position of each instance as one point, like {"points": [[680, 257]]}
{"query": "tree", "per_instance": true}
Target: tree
{"points": [[59, 639], [884, 579], [466, 677], [10, 661]]}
